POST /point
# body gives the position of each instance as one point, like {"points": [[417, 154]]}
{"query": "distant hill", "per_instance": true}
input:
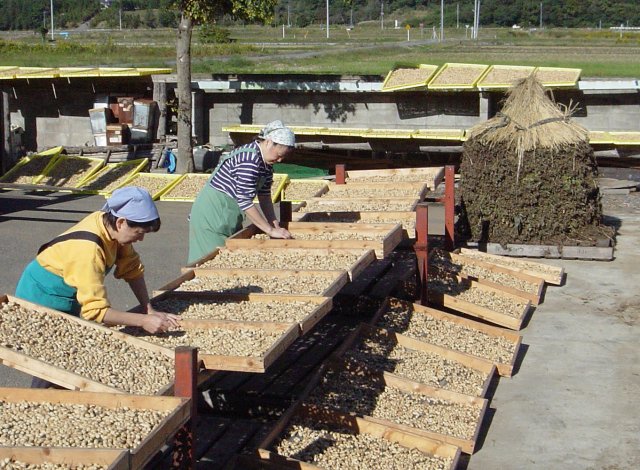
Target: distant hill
{"points": [[34, 14]]}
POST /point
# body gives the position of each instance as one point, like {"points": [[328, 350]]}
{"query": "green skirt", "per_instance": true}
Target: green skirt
{"points": [[214, 217]]}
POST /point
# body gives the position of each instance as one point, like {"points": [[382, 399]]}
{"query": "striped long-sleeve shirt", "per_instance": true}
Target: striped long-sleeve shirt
{"points": [[238, 176]]}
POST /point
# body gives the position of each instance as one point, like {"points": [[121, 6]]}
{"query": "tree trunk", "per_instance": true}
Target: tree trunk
{"points": [[183, 47]]}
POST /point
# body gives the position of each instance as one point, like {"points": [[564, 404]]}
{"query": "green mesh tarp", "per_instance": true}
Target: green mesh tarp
{"points": [[298, 171]]}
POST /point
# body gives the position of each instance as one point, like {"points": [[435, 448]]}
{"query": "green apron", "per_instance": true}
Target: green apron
{"points": [[215, 216], [42, 287]]}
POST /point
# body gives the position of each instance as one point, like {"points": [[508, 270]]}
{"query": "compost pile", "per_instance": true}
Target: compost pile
{"points": [[529, 175]]}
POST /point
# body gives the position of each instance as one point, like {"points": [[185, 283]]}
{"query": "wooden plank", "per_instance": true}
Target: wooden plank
{"points": [[504, 368], [113, 459], [333, 419], [178, 409], [551, 274], [229, 444], [595, 253], [367, 256], [322, 204], [338, 278], [378, 189], [45, 370]]}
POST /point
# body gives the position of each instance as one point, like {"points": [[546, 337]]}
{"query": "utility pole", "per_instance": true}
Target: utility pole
{"points": [[327, 19], [381, 15], [52, 38], [540, 15], [441, 20], [457, 16]]}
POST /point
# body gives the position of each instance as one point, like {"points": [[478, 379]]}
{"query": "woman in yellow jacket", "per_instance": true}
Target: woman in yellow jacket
{"points": [[68, 273]]}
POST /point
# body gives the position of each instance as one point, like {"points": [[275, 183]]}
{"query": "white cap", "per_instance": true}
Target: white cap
{"points": [[277, 132]]}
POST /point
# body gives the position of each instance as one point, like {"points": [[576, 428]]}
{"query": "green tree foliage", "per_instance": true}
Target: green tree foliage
{"points": [[28, 14]]}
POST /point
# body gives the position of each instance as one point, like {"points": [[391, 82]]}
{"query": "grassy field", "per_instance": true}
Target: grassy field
{"points": [[365, 49]]}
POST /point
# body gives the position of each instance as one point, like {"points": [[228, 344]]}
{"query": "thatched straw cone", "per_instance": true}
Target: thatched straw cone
{"points": [[529, 174]]}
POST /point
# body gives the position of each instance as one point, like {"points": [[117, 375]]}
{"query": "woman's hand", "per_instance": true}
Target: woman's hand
{"points": [[158, 322], [279, 232]]}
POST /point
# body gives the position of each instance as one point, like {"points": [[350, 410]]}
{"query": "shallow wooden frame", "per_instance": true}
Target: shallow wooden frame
{"points": [[113, 459], [411, 387], [366, 258], [433, 176], [366, 217], [71, 380], [555, 278], [340, 278], [324, 304], [377, 189], [392, 237], [322, 204], [358, 425], [289, 332], [365, 330], [318, 188], [533, 297], [505, 369], [179, 409]]}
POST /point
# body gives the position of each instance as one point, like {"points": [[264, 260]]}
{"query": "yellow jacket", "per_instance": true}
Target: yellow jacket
{"points": [[83, 264]]}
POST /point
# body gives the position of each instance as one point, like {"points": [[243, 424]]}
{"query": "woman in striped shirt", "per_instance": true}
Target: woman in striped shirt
{"points": [[222, 204]]}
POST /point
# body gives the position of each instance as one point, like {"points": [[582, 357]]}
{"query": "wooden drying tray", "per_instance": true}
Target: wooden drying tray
{"points": [[533, 297], [324, 304], [366, 217], [321, 204], [71, 380], [505, 369], [479, 311], [392, 237], [315, 188], [433, 176], [179, 409], [288, 333], [333, 419], [551, 274], [366, 331], [378, 189], [338, 278], [411, 387], [367, 256], [111, 459]]}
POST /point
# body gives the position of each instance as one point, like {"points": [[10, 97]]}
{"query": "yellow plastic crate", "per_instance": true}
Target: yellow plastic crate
{"points": [[498, 77], [439, 134], [557, 76], [30, 169], [600, 137], [155, 183], [625, 138], [404, 78], [185, 188], [112, 176], [454, 76], [70, 171]]}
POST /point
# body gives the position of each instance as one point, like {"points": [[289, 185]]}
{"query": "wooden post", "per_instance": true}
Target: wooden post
{"points": [[421, 247], [285, 213], [5, 121], [160, 97], [341, 173], [186, 386], [449, 207]]}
